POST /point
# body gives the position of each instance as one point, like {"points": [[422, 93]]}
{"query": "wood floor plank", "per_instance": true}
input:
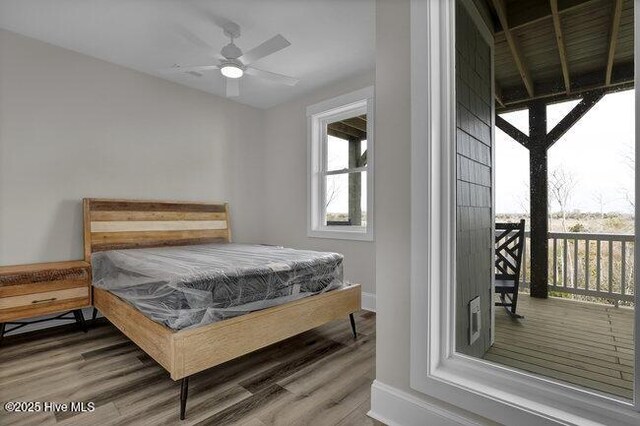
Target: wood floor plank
{"points": [[130, 388], [586, 344], [358, 417], [27, 419], [562, 376], [609, 369]]}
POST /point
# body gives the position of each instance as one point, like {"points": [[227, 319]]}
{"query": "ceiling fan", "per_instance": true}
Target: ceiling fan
{"points": [[234, 64]]}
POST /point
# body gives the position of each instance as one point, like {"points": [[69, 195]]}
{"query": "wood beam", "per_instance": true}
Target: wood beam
{"points": [[560, 42], [623, 79], [573, 117], [338, 134], [532, 16], [340, 127], [356, 123], [539, 198], [613, 39], [515, 50], [512, 131], [363, 159], [355, 184], [498, 95]]}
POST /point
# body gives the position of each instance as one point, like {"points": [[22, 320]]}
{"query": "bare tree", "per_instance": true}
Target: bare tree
{"points": [[561, 186], [629, 160], [600, 199], [525, 199], [333, 191]]}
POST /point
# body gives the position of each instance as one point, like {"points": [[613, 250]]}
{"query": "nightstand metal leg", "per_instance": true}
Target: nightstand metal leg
{"points": [[94, 314], [2, 328], [353, 326], [77, 313], [184, 391]]}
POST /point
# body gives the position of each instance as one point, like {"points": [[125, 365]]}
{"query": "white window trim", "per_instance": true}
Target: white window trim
{"points": [[359, 102], [496, 392]]}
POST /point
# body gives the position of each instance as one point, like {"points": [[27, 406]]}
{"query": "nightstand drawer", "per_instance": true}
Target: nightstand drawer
{"points": [[40, 289], [48, 297]]}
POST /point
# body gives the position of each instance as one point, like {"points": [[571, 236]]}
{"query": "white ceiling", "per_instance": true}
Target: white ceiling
{"points": [[330, 39]]}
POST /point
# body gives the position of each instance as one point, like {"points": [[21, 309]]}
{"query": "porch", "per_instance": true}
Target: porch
{"points": [[582, 343]]}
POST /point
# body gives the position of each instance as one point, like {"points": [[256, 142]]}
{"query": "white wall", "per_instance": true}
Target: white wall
{"points": [[395, 398], [392, 191], [285, 179], [72, 126]]}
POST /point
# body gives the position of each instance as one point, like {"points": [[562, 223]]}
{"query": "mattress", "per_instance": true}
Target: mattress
{"points": [[190, 286]]}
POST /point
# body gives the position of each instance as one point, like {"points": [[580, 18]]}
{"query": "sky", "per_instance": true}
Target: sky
{"points": [[596, 152]]}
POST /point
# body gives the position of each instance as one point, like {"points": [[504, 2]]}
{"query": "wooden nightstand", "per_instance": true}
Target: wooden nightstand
{"points": [[28, 291]]}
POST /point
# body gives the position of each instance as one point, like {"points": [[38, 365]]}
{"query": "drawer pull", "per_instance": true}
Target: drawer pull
{"points": [[45, 300]]}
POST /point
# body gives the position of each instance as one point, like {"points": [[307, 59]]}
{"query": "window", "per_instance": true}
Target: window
{"points": [[341, 167], [501, 394]]}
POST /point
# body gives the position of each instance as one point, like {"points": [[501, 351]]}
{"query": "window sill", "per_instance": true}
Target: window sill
{"points": [[341, 234]]}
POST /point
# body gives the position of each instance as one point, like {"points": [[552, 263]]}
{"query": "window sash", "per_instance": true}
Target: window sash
{"points": [[345, 171], [320, 115]]}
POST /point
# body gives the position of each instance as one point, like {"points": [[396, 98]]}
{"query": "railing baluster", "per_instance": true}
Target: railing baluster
{"points": [[586, 264], [575, 263], [565, 257], [610, 266], [524, 263], [555, 261], [623, 268], [598, 265], [564, 263]]}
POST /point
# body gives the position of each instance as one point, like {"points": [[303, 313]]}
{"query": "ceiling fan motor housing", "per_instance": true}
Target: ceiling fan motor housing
{"points": [[231, 51]]}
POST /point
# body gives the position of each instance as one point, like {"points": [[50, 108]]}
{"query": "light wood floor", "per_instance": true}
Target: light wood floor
{"points": [[586, 344], [321, 377]]}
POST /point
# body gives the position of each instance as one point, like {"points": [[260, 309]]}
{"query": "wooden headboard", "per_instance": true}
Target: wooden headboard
{"points": [[121, 224]]}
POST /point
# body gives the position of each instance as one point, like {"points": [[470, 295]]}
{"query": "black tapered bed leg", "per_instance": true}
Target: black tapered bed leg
{"points": [[184, 390], [80, 319], [94, 315], [353, 326]]}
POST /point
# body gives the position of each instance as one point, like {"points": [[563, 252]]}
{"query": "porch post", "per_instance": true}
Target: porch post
{"points": [[539, 199]]}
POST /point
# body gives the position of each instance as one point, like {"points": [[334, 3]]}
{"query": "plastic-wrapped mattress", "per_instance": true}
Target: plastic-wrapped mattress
{"points": [[189, 286]]}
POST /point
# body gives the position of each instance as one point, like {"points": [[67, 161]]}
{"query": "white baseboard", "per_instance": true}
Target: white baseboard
{"points": [[394, 407], [369, 302]]}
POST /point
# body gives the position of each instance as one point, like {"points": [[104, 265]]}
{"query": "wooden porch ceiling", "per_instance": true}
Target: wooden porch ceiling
{"points": [[350, 128], [559, 49]]}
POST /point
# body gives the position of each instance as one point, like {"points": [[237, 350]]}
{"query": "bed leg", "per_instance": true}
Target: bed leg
{"points": [[353, 326], [184, 390], [94, 315]]}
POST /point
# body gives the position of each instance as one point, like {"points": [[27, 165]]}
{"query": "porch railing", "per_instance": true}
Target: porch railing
{"points": [[592, 265]]}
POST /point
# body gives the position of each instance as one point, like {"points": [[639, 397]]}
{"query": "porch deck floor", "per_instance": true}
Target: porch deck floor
{"points": [[586, 344]]}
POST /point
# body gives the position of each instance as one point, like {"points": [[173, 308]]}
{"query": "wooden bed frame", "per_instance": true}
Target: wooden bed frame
{"points": [[119, 224]]}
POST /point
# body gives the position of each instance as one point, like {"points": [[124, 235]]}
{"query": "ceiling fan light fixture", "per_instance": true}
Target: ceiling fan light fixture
{"points": [[231, 70]]}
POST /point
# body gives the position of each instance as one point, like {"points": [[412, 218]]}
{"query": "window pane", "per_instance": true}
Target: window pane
{"points": [[337, 153], [346, 199], [346, 143]]}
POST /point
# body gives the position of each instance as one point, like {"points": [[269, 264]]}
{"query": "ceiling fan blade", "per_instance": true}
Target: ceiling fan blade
{"points": [[233, 87], [267, 75], [192, 38], [225, 24], [176, 69], [267, 48]]}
